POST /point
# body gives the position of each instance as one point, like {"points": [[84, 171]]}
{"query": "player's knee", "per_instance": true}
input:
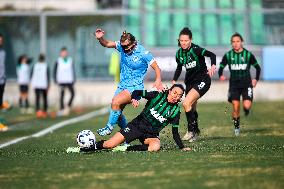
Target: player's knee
{"points": [[154, 147], [186, 105]]}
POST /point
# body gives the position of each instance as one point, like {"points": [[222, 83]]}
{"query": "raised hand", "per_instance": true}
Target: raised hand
{"points": [[99, 33]]}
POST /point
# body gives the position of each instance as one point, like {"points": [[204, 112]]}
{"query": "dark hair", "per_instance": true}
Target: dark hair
{"points": [[237, 35], [1, 35], [127, 36], [63, 49], [41, 57], [20, 59], [179, 86], [185, 31]]}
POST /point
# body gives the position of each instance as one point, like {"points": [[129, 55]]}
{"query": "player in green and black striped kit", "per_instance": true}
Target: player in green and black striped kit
{"points": [[197, 77], [161, 109], [239, 61]]}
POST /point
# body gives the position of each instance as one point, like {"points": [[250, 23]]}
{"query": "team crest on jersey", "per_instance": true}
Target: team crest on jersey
{"points": [[243, 59], [156, 115], [135, 58]]}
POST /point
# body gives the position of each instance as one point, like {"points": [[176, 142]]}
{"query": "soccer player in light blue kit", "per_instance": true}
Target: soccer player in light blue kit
{"points": [[133, 67]]}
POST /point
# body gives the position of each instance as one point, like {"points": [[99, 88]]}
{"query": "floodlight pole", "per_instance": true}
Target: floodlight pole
{"points": [[42, 32]]}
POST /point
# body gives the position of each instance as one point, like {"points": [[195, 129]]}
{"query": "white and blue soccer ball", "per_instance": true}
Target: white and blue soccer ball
{"points": [[86, 139]]}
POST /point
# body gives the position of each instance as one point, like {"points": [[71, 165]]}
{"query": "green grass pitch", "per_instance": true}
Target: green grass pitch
{"points": [[254, 160]]}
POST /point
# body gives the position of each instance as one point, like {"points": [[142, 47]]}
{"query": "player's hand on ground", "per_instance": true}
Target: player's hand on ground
{"points": [[99, 33], [222, 78], [135, 103], [159, 86], [254, 82], [212, 70], [186, 149]]}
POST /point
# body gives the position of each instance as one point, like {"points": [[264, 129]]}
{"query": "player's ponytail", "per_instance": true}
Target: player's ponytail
{"points": [[128, 36]]}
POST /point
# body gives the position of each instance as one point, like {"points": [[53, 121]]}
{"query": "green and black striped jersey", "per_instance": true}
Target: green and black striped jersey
{"points": [[158, 111], [239, 64], [193, 59]]}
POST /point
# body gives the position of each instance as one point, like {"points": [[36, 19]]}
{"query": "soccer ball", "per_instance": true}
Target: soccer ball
{"points": [[86, 139]]}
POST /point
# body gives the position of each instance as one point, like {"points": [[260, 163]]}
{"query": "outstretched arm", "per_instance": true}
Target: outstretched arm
{"points": [[104, 42], [177, 139], [137, 94], [158, 82]]}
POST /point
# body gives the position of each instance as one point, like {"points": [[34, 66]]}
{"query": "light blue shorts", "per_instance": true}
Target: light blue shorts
{"points": [[130, 89]]}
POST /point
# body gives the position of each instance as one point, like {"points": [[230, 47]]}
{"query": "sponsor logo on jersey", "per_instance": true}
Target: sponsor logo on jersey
{"points": [[190, 65], [238, 66], [201, 85], [135, 58], [156, 115], [127, 129]]}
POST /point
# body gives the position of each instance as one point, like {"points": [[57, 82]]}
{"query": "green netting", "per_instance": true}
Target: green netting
{"points": [[151, 29], [134, 4], [164, 4], [179, 4], [164, 31]]}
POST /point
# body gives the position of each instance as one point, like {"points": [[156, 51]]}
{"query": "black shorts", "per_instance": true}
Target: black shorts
{"points": [[140, 129], [236, 92], [24, 88], [201, 85]]}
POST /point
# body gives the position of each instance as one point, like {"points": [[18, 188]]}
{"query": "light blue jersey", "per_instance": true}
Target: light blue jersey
{"points": [[133, 66]]}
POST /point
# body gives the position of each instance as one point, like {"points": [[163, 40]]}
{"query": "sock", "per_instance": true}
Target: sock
{"points": [[97, 146], [236, 122], [113, 117], [27, 103], [196, 114], [143, 147], [246, 111], [191, 121], [122, 122], [196, 122], [20, 102]]}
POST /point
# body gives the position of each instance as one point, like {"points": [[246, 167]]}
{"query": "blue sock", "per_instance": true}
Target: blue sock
{"points": [[122, 122], [113, 117]]}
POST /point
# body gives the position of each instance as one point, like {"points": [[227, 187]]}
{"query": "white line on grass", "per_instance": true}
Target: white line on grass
{"points": [[57, 126]]}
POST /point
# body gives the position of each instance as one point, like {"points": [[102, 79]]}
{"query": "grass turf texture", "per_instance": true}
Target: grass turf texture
{"points": [[255, 159]]}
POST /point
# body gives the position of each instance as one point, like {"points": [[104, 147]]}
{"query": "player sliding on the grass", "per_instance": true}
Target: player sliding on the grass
{"points": [[133, 67], [161, 109]]}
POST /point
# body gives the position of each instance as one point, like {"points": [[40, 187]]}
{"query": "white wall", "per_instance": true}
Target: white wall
{"points": [[101, 93]]}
